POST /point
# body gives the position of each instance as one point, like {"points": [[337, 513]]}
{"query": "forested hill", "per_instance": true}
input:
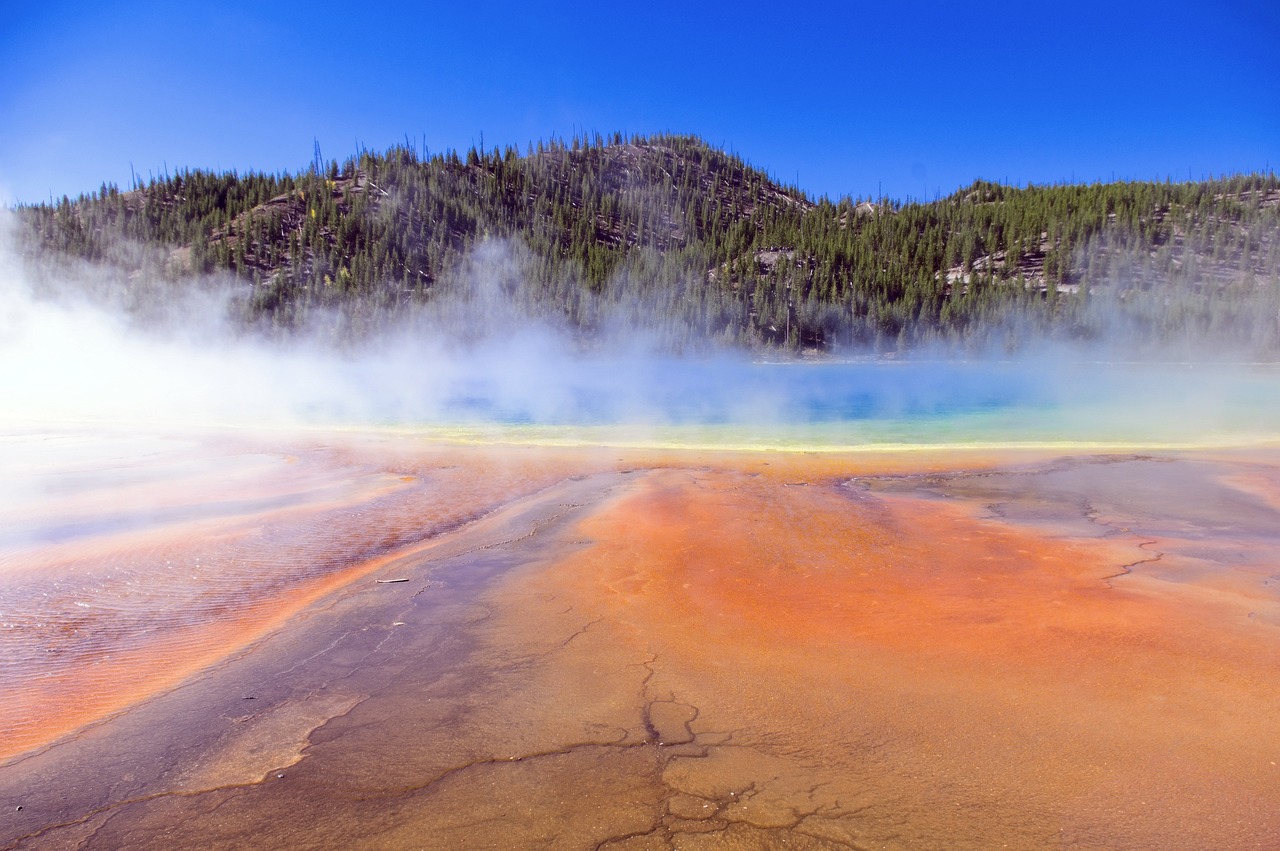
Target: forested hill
{"points": [[687, 244]]}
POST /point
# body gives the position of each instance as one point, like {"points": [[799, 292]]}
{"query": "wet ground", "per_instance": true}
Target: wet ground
{"points": [[411, 646]]}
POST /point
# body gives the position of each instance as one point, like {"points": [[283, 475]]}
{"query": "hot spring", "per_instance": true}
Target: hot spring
{"points": [[635, 603]]}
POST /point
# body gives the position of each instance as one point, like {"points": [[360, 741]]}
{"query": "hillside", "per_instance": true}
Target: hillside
{"points": [[689, 245]]}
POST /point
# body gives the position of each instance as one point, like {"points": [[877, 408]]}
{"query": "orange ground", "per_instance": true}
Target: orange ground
{"points": [[991, 674], [748, 651], [182, 561]]}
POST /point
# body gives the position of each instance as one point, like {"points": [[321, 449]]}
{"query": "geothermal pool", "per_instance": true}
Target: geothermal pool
{"points": [[1005, 622]]}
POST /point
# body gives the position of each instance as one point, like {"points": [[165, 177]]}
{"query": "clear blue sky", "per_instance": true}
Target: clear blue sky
{"points": [[911, 99]]}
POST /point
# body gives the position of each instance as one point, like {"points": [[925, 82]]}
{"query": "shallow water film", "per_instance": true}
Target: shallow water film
{"points": [[379, 640]]}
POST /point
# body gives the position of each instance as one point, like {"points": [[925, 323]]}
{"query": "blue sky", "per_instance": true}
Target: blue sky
{"points": [[908, 99]]}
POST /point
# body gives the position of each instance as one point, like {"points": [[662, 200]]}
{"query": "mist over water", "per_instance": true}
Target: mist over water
{"points": [[481, 368], [294, 583]]}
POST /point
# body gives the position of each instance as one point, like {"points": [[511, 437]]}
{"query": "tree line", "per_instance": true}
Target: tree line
{"points": [[693, 246]]}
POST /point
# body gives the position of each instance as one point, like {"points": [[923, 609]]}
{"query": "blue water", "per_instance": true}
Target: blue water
{"points": [[876, 403], [727, 392]]}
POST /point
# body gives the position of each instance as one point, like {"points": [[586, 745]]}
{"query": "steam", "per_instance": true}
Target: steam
{"points": [[79, 345]]}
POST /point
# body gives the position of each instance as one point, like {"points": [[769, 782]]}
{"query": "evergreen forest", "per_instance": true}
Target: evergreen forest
{"points": [[685, 243]]}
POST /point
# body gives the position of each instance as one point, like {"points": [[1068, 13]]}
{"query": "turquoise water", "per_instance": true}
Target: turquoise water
{"points": [[878, 405], [715, 403]]}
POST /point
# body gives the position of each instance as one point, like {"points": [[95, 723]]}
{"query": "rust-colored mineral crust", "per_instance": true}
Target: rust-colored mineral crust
{"points": [[632, 649]]}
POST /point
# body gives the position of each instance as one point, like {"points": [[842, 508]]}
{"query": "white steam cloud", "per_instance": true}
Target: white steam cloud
{"points": [[69, 352]]}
